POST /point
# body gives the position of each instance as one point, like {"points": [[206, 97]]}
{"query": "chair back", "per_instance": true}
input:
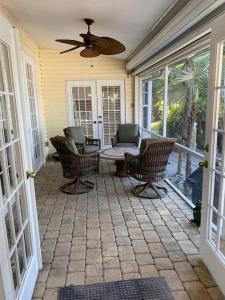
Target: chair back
{"points": [[76, 133], [128, 133], [153, 158], [67, 150]]}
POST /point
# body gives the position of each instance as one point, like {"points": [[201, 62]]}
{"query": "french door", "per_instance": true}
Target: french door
{"points": [[19, 242], [98, 106], [34, 118], [212, 247]]}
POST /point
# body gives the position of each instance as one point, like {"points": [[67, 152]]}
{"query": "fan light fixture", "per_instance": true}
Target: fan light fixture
{"points": [[93, 44]]}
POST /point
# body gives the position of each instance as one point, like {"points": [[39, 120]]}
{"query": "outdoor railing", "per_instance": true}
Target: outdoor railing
{"points": [[177, 166]]}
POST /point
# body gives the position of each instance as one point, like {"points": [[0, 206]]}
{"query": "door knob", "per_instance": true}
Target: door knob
{"points": [[100, 122], [94, 122], [203, 164], [31, 174]]}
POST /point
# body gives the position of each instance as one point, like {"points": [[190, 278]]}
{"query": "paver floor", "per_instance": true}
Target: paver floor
{"points": [[109, 234]]}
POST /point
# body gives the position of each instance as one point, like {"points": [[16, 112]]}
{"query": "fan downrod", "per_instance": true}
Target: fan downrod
{"points": [[88, 21]]}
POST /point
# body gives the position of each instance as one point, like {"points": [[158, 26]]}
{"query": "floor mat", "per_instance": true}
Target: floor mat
{"points": [[136, 289]]}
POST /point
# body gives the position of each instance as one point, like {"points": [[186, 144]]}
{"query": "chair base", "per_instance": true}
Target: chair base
{"points": [[154, 191], [77, 187]]}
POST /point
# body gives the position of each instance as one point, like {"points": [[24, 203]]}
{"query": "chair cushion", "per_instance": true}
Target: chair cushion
{"points": [[76, 133], [127, 133], [72, 146], [126, 145], [90, 148], [143, 145]]}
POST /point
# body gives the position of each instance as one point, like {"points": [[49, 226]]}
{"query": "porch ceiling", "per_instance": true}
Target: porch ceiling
{"points": [[128, 21]]}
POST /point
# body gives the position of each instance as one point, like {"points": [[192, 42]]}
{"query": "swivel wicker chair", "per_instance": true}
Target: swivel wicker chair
{"points": [[127, 135], [83, 143], [150, 166], [75, 166]]}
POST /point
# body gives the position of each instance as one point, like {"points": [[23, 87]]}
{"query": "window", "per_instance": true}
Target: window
{"points": [[145, 105], [153, 103], [182, 89]]}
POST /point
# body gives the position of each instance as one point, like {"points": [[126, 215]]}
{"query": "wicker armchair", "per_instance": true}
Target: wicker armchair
{"points": [[83, 143], [127, 135], [150, 166], [75, 166]]}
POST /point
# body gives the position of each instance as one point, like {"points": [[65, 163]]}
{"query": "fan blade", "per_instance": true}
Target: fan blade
{"points": [[71, 42], [115, 47], [89, 52], [96, 40], [71, 49]]}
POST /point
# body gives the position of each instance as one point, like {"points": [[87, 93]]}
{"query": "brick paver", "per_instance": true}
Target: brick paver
{"points": [[109, 234]]}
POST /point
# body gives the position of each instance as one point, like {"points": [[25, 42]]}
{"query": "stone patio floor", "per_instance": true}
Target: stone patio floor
{"points": [[109, 234]]}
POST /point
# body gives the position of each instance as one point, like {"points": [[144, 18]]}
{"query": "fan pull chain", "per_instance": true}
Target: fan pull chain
{"points": [[92, 65]]}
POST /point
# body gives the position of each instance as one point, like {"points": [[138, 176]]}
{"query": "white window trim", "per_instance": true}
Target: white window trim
{"points": [[28, 59]]}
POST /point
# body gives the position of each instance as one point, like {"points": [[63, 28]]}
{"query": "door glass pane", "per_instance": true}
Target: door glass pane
{"points": [[16, 217], [8, 227], [1, 78], [27, 242], [7, 67], [111, 103], [222, 238], [4, 122], [213, 227], [15, 276], [82, 108], [21, 256]]}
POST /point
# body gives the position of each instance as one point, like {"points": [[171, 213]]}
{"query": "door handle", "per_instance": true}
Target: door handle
{"points": [[94, 122], [100, 117], [31, 174], [203, 163], [100, 122]]}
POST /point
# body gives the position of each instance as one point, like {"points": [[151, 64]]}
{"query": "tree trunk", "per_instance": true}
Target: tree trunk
{"points": [[179, 164], [188, 127]]}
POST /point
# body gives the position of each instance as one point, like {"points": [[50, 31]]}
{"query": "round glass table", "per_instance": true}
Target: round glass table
{"points": [[117, 154]]}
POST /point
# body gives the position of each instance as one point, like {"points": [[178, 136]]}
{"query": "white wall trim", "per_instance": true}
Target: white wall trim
{"points": [[193, 12]]}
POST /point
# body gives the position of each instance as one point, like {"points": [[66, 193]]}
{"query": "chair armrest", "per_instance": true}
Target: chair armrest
{"points": [[114, 140], [90, 141], [80, 147], [89, 160], [130, 156]]}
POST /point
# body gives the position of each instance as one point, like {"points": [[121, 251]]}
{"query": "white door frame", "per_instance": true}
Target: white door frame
{"points": [[28, 59], [10, 36], [96, 99], [110, 82], [212, 259], [70, 110]]}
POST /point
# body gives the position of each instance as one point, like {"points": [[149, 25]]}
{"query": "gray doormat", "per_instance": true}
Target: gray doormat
{"points": [[136, 289]]}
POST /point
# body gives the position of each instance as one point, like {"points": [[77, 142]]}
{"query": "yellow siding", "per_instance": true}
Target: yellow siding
{"points": [[56, 69]]}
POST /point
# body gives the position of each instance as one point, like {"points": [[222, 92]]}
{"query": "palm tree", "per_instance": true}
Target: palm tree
{"points": [[194, 75]]}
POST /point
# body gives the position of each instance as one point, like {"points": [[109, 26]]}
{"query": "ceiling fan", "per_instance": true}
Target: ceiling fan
{"points": [[93, 44]]}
